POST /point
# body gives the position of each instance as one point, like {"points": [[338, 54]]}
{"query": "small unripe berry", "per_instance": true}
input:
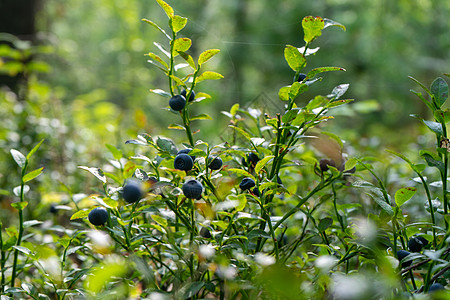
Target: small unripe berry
{"points": [[247, 183], [401, 254], [204, 232], [301, 77], [98, 216], [191, 97], [192, 189], [215, 163], [415, 244], [132, 191], [177, 102], [186, 151], [183, 162]]}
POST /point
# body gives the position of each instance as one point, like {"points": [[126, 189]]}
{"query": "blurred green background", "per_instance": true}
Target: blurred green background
{"points": [[84, 79]]}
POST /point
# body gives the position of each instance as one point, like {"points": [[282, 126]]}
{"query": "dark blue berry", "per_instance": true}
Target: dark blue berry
{"points": [[98, 216], [256, 192], [192, 189], [247, 183], [253, 158], [436, 287], [132, 191], [177, 102], [191, 97], [183, 162], [186, 151], [325, 163], [401, 254], [204, 232], [215, 163], [301, 77], [53, 208], [415, 244]]}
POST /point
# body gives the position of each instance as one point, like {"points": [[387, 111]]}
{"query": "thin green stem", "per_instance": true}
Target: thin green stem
{"points": [[2, 261]]}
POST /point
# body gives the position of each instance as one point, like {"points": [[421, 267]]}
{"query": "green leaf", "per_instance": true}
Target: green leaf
{"points": [[316, 71], [201, 117], [439, 90], [404, 194], [157, 27], [289, 116], [339, 90], [324, 224], [430, 106], [35, 148], [158, 59], [262, 163], [296, 89], [378, 197], [181, 45], [432, 160], [241, 172], [110, 202], [421, 85], [19, 158], [177, 23], [209, 75], [176, 127], [329, 23], [318, 101], [339, 102], [283, 93], [105, 273], [19, 205], [312, 28], [188, 59], [117, 154], [97, 172], [294, 58], [167, 8], [33, 174], [234, 109], [160, 220], [30, 223], [207, 55], [24, 250], [434, 126], [192, 289], [166, 145], [241, 131], [161, 93], [80, 214]]}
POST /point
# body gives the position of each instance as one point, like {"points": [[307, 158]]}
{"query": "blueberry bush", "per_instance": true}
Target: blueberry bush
{"points": [[277, 210]]}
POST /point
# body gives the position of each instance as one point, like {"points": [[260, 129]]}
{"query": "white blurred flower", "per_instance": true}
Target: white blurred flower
{"points": [[350, 287], [207, 251], [99, 239], [325, 262], [366, 230], [264, 259]]}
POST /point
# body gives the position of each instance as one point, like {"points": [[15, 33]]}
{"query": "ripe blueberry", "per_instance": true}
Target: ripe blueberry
{"points": [[415, 244], [247, 183], [98, 216], [191, 97], [53, 208], [177, 102], [401, 254], [253, 158], [192, 189], [301, 77], [186, 151], [204, 232], [215, 163], [132, 191], [183, 162], [256, 192], [324, 163], [436, 287]]}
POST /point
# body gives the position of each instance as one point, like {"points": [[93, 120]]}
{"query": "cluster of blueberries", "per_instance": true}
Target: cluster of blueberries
{"points": [[178, 102], [416, 244]]}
